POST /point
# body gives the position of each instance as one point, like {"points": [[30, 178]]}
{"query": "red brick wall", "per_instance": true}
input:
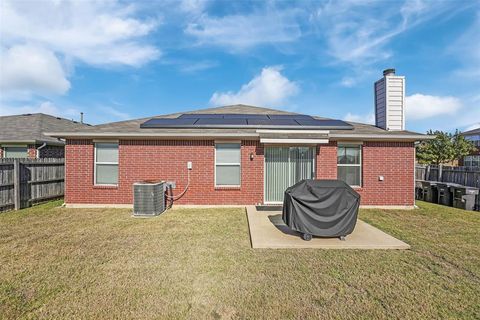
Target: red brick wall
{"points": [[163, 160], [167, 160], [326, 161]]}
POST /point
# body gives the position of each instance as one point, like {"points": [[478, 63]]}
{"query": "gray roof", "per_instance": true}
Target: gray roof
{"points": [[30, 128], [471, 132], [131, 128]]}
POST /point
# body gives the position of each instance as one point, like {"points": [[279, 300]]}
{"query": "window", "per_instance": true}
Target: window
{"points": [[15, 152], [106, 163], [227, 164], [471, 161], [349, 162]]}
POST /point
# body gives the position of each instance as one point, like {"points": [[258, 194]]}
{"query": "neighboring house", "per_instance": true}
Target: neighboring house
{"points": [[245, 155], [22, 136], [472, 160]]}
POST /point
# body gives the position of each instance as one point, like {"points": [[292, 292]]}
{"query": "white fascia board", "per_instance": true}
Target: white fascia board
{"points": [[293, 141], [118, 135], [388, 137]]}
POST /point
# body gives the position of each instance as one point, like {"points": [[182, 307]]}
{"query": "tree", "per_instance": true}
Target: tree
{"points": [[444, 148]]}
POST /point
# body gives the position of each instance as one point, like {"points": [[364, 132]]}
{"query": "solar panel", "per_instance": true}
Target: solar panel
{"points": [[289, 116], [323, 123], [158, 123], [271, 121], [245, 116], [200, 116], [216, 121]]}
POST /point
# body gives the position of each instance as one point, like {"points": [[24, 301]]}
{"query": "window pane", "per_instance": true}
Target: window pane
{"points": [[227, 175], [107, 152], [350, 175], [353, 155], [228, 153], [15, 152], [348, 155], [107, 174]]}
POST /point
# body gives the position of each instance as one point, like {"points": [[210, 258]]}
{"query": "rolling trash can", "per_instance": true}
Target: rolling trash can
{"points": [[445, 193], [464, 197], [430, 191]]}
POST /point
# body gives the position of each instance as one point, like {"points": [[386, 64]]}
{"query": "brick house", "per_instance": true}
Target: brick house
{"points": [[22, 136], [472, 160], [239, 155]]}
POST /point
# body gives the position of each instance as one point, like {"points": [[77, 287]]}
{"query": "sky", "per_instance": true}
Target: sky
{"points": [[118, 60]]}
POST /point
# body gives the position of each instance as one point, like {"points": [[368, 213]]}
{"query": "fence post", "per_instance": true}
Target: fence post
{"points": [[16, 183], [440, 172]]}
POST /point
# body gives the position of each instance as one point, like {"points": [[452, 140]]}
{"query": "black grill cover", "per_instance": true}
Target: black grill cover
{"points": [[324, 208]]}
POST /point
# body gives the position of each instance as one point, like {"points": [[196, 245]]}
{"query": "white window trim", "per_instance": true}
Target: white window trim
{"points": [[107, 163], [227, 164], [353, 165]]}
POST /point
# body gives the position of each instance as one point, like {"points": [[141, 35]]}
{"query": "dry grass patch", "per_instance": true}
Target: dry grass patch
{"points": [[197, 263]]}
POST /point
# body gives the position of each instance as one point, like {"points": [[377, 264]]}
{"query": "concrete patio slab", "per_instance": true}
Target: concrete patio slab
{"points": [[267, 230]]}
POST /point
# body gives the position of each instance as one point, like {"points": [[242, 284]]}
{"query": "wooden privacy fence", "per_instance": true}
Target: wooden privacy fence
{"points": [[24, 182], [467, 176]]}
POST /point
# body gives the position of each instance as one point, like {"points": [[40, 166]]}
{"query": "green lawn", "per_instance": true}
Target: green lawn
{"points": [[198, 263]]}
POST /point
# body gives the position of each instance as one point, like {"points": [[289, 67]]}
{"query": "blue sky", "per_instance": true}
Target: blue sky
{"points": [[117, 60]]}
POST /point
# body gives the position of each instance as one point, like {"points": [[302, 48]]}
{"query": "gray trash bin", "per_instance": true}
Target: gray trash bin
{"points": [[430, 192], [464, 197], [445, 193]]}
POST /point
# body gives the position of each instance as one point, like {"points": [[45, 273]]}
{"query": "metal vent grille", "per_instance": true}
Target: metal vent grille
{"points": [[148, 198]]}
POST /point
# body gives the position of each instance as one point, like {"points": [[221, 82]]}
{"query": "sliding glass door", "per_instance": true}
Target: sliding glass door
{"points": [[285, 166]]}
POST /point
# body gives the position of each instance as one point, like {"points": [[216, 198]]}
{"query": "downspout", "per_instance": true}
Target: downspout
{"points": [[38, 149]]}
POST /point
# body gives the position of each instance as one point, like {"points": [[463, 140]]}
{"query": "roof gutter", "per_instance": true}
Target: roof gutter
{"points": [[118, 135], [388, 137]]}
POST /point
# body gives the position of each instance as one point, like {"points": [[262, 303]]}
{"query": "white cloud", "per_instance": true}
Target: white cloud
{"points": [[269, 88], [361, 118], [357, 32], [27, 69], [420, 106], [192, 67], [95, 32], [244, 31]]}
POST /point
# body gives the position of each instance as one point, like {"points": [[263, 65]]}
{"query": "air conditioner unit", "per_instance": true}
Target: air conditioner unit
{"points": [[148, 198]]}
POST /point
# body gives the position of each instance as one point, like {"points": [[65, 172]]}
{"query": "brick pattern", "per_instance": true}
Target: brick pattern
{"points": [[395, 161], [326, 161], [167, 160], [163, 160]]}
